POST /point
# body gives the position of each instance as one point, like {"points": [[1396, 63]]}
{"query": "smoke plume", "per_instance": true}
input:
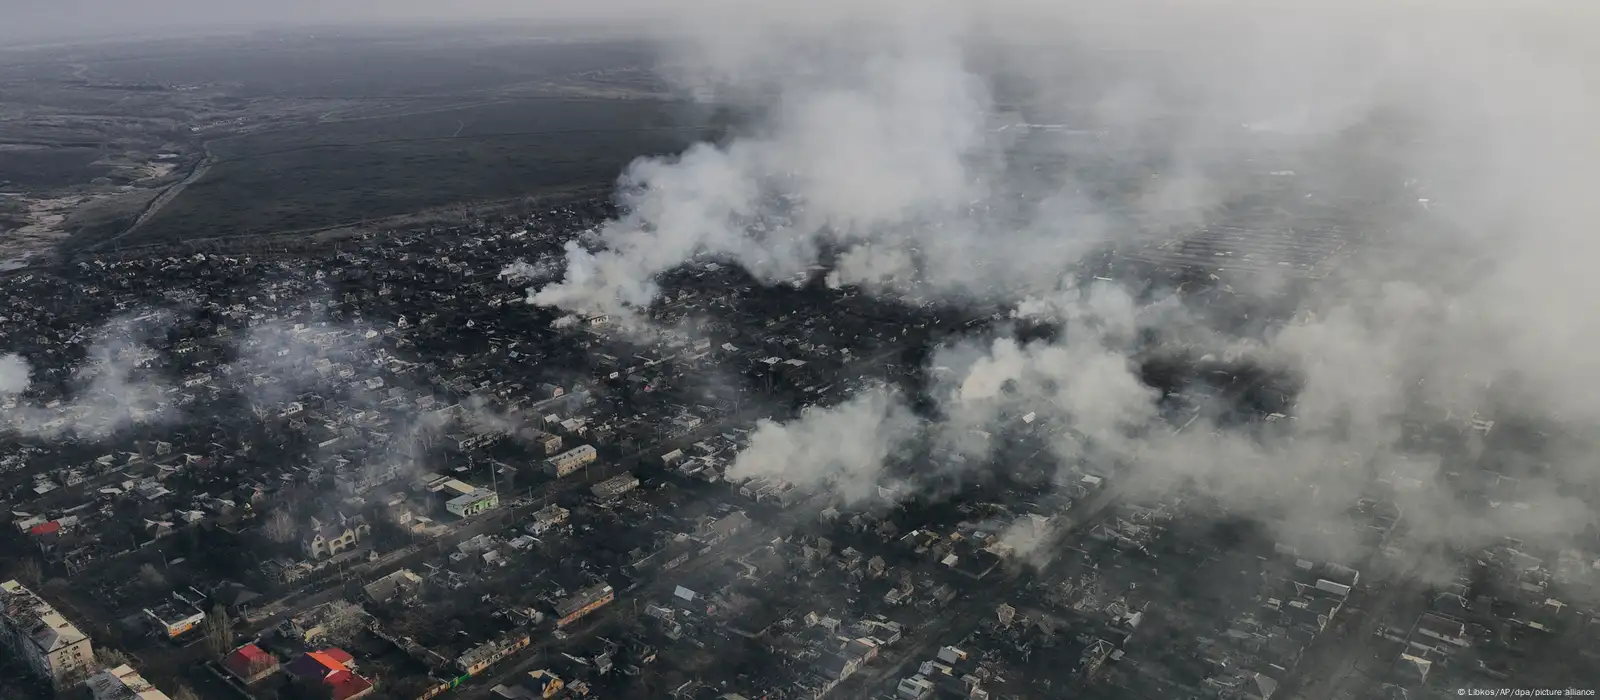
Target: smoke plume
{"points": [[114, 387], [966, 154], [14, 375], [524, 271], [843, 449]]}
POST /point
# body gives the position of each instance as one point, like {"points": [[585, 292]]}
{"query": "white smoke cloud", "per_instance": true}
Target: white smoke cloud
{"points": [[279, 360], [843, 450], [14, 375], [480, 416], [1030, 539], [882, 141], [848, 158], [114, 388], [524, 271]]}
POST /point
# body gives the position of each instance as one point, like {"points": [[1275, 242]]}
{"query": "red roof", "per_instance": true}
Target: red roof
{"points": [[248, 660], [51, 527], [328, 661], [252, 652], [346, 684], [321, 664]]}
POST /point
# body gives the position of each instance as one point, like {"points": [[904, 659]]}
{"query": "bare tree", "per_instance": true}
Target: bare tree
{"points": [[184, 692], [342, 618], [280, 527], [73, 676], [219, 631], [110, 657], [30, 572], [151, 577]]}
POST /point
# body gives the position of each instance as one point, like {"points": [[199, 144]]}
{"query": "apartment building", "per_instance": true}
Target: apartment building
{"points": [[32, 630], [123, 683], [570, 461]]}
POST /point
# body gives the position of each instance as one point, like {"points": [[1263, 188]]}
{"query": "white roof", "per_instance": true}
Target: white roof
{"points": [[122, 682], [472, 496], [579, 450], [55, 632], [1338, 589], [48, 629]]}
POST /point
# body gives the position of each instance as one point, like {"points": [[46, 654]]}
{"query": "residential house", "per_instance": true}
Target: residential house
{"points": [[250, 663], [334, 670], [179, 615], [472, 503], [401, 584], [327, 539]]}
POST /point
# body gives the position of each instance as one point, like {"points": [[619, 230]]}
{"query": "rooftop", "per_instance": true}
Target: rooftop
{"points": [[46, 627], [123, 683], [249, 660], [476, 494], [332, 667], [582, 598]]}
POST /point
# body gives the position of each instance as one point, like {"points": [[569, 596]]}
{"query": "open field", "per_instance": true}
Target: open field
{"points": [[348, 171], [512, 118], [154, 142], [304, 181], [46, 166], [344, 65]]}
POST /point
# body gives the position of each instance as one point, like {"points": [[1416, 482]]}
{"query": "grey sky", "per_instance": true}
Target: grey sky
{"points": [[40, 20], [34, 20]]}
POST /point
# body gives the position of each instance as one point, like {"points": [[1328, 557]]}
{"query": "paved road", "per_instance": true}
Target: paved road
{"points": [[161, 201]]}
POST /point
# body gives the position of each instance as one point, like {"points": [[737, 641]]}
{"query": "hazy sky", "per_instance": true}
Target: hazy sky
{"points": [[35, 20], [30, 20]]}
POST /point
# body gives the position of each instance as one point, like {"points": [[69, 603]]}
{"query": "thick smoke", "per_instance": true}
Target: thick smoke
{"points": [[844, 449], [118, 386], [280, 361], [15, 375], [895, 143], [113, 388], [1029, 539], [859, 159], [524, 271]]}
